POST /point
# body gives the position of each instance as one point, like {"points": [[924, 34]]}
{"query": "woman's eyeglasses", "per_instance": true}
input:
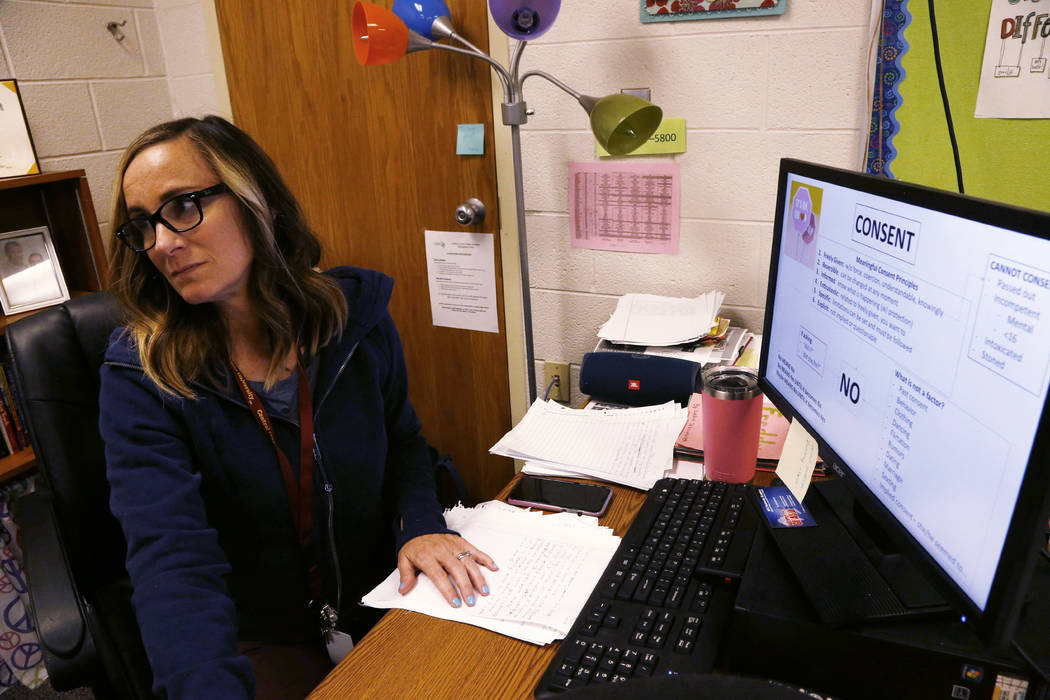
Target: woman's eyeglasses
{"points": [[179, 214]]}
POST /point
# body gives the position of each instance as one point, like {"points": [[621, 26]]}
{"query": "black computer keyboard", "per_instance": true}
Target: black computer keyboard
{"points": [[665, 599]]}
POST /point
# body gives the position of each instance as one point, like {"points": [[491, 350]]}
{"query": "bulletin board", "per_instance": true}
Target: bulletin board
{"points": [[1006, 160]]}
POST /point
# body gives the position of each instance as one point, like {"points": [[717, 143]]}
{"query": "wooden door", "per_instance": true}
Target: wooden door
{"points": [[370, 153]]}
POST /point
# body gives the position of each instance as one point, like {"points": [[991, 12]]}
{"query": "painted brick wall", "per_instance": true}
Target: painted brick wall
{"points": [[87, 95], [752, 90]]}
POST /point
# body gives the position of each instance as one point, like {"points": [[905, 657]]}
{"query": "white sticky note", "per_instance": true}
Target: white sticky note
{"points": [[797, 460]]}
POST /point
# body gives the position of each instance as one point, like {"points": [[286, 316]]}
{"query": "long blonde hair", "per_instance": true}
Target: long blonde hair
{"points": [[179, 343]]}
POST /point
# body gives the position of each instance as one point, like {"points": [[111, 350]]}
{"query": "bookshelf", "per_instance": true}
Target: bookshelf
{"points": [[61, 201]]}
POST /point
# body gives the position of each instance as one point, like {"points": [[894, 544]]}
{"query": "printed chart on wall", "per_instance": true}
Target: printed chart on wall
{"points": [[912, 320], [1015, 75], [625, 206]]}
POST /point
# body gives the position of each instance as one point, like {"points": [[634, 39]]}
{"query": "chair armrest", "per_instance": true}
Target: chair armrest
{"points": [[56, 606]]}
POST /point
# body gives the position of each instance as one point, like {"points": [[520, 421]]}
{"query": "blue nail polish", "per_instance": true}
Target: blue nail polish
{"points": [[456, 603], [470, 600], [485, 590], [400, 585]]}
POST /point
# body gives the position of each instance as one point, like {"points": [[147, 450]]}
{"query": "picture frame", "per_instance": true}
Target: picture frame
{"points": [[682, 10], [17, 151], [30, 275]]}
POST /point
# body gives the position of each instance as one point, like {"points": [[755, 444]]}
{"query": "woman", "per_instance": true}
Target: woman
{"points": [[240, 362]]}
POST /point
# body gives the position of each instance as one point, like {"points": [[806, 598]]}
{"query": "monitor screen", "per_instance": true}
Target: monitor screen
{"points": [[908, 329]]}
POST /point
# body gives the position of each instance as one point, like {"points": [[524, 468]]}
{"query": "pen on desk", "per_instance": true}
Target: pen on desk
{"points": [[741, 353]]}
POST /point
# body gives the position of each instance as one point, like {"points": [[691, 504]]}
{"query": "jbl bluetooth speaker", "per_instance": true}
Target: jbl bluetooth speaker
{"points": [[637, 379]]}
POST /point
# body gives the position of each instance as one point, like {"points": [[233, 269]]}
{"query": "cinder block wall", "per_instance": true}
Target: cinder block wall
{"points": [[87, 95], [752, 90]]}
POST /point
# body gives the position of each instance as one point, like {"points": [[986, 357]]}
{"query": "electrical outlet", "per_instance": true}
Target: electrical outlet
{"points": [[560, 391]]}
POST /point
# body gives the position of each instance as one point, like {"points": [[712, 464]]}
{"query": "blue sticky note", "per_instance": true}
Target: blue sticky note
{"points": [[470, 140]]}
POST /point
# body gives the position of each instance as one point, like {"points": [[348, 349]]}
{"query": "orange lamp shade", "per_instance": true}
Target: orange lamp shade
{"points": [[379, 35]]}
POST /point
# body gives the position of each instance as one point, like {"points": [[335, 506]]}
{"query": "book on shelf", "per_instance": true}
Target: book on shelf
{"points": [[770, 440], [7, 431], [14, 408]]}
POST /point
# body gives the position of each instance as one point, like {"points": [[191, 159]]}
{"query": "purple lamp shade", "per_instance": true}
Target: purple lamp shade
{"points": [[524, 19], [420, 15]]}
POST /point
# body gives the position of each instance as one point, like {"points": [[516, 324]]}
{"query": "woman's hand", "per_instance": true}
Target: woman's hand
{"points": [[441, 556]]}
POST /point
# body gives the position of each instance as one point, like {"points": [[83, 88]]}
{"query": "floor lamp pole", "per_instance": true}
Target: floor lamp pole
{"points": [[523, 263]]}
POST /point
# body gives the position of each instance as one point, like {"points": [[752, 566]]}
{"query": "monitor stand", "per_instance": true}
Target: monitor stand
{"points": [[846, 566]]}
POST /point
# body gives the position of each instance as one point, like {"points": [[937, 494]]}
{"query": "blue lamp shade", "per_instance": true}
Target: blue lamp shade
{"points": [[524, 19], [420, 15]]}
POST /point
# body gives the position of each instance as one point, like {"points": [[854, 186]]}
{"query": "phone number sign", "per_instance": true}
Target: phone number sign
{"points": [[669, 138]]}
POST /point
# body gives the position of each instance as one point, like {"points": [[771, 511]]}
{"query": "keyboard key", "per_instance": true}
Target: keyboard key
{"points": [[567, 668], [620, 678], [684, 646], [575, 650], [607, 664], [626, 591], [656, 641], [589, 661], [589, 629], [583, 673], [611, 621], [641, 595], [566, 684], [639, 638]]}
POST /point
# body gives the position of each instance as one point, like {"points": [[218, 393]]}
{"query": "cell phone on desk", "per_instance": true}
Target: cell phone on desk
{"points": [[558, 495]]}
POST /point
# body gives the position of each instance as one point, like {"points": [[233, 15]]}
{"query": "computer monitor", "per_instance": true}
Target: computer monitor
{"points": [[908, 330]]}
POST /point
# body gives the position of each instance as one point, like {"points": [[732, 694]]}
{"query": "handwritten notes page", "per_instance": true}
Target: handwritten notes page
{"points": [[548, 566], [633, 446]]}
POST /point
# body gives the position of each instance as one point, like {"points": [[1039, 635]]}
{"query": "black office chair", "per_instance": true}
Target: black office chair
{"points": [[73, 546]]}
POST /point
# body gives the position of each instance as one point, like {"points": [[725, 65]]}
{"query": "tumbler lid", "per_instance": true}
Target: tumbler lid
{"points": [[731, 382]]}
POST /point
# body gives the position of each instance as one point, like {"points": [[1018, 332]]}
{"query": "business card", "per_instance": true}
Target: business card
{"points": [[782, 509]]}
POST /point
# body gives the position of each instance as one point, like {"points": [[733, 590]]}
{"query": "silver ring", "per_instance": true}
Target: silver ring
{"points": [[467, 553]]}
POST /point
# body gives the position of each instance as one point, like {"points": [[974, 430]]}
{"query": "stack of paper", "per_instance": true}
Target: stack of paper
{"points": [[724, 349], [548, 566], [634, 446], [645, 319]]}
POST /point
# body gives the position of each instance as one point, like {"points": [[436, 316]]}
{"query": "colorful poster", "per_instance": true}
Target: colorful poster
{"points": [[672, 10], [1015, 78]]}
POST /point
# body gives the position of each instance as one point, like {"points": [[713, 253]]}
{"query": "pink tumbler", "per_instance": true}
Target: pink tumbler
{"points": [[731, 406]]}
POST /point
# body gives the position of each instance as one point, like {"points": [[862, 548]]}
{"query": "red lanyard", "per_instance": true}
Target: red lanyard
{"points": [[300, 496]]}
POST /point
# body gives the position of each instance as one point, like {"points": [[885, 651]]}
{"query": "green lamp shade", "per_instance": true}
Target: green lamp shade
{"points": [[622, 123]]}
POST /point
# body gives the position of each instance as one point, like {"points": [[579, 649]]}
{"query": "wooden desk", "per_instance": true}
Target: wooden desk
{"points": [[412, 655]]}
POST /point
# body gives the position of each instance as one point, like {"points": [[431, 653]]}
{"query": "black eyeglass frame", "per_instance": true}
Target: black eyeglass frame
{"points": [[155, 218]]}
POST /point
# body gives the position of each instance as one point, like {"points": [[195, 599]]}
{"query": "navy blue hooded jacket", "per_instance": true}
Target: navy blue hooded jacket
{"points": [[212, 550]]}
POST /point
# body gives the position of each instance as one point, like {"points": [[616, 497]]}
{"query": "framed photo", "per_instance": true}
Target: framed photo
{"points": [[17, 153], [678, 10], [30, 277]]}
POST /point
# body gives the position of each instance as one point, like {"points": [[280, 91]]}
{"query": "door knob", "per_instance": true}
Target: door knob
{"points": [[470, 212]]}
